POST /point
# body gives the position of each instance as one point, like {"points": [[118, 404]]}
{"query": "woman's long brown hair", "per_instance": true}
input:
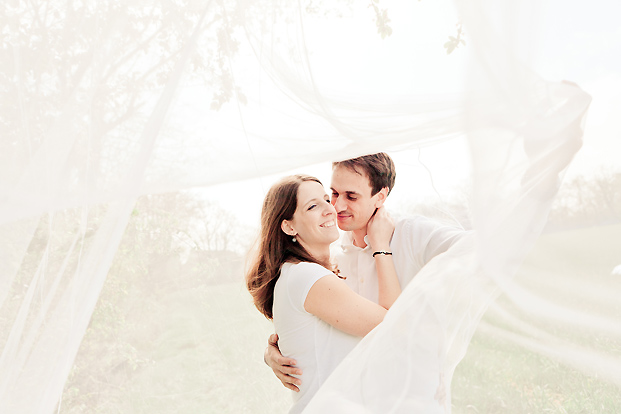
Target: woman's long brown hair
{"points": [[276, 247]]}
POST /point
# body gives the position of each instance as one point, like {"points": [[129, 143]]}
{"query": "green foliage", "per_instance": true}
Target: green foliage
{"points": [[48, 264], [585, 201], [581, 201], [108, 58], [455, 41], [381, 20], [147, 285]]}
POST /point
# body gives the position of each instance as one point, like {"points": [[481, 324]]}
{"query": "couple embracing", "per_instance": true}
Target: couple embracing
{"points": [[322, 304]]}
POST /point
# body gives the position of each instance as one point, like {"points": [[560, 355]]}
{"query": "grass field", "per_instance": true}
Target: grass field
{"points": [[199, 349], [571, 269]]}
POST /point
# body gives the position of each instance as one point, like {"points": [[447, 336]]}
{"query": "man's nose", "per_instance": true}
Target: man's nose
{"points": [[339, 205]]}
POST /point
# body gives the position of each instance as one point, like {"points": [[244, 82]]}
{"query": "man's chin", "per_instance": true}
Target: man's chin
{"points": [[345, 225]]}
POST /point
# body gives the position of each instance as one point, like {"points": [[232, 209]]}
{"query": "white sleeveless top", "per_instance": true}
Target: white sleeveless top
{"points": [[316, 346]]}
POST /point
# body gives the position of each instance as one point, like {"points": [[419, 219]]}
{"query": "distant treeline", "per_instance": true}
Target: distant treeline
{"points": [[581, 202]]}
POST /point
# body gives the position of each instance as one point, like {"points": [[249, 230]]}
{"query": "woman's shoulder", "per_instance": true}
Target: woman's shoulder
{"points": [[295, 281], [296, 268], [302, 275]]}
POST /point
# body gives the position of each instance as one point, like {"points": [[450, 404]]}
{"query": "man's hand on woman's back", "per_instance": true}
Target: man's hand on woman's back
{"points": [[283, 367]]}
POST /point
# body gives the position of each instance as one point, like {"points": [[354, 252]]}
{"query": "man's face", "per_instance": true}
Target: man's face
{"points": [[351, 197]]}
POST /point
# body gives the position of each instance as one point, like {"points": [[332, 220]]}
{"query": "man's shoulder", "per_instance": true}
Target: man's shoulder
{"points": [[420, 229], [420, 222], [414, 223]]}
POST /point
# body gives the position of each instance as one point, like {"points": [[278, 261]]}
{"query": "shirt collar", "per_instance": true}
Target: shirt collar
{"points": [[347, 242]]}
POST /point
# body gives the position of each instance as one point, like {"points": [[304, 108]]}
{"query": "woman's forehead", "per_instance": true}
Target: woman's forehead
{"points": [[309, 190]]}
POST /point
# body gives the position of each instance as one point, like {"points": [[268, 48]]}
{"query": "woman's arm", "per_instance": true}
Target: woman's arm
{"points": [[331, 300]]}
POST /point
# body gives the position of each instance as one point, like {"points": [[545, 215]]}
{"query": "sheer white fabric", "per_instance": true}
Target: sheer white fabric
{"points": [[105, 102], [445, 301]]}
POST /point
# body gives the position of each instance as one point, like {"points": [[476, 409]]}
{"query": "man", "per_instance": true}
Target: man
{"points": [[359, 187]]}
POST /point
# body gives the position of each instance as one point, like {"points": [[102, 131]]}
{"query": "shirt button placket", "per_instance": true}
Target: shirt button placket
{"points": [[360, 265]]}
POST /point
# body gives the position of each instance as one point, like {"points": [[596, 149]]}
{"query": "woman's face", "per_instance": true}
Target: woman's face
{"points": [[314, 220]]}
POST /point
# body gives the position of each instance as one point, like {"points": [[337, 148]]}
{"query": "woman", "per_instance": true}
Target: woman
{"points": [[318, 319]]}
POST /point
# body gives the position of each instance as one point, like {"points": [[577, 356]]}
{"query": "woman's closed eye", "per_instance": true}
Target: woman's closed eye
{"points": [[312, 206]]}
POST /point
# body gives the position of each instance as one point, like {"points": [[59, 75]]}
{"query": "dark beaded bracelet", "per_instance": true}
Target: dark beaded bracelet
{"points": [[385, 253]]}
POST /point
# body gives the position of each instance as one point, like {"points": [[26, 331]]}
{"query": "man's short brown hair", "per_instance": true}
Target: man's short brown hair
{"points": [[379, 169]]}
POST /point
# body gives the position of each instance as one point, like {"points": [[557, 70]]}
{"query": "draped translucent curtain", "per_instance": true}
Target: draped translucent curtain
{"points": [[107, 103]]}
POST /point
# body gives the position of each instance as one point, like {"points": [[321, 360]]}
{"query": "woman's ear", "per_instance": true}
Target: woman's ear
{"points": [[287, 228], [381, 197]]}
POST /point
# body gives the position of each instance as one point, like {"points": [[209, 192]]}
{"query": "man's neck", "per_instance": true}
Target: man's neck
{"points": [[359, 236]]}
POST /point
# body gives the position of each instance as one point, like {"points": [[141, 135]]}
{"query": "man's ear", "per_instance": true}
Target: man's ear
{"points": [[287, 228], [381, 197]]}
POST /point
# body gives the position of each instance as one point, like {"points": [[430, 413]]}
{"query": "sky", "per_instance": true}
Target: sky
{"points": [[589, 54]]}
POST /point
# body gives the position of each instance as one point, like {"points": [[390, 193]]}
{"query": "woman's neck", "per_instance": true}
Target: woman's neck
{"points": [[320, 253]]}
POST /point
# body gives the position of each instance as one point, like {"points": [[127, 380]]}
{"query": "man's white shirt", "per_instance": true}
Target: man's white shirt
{"points": [[415, 242]]}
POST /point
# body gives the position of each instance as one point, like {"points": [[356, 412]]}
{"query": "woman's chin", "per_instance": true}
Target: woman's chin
{"points": [[335, 236]]}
